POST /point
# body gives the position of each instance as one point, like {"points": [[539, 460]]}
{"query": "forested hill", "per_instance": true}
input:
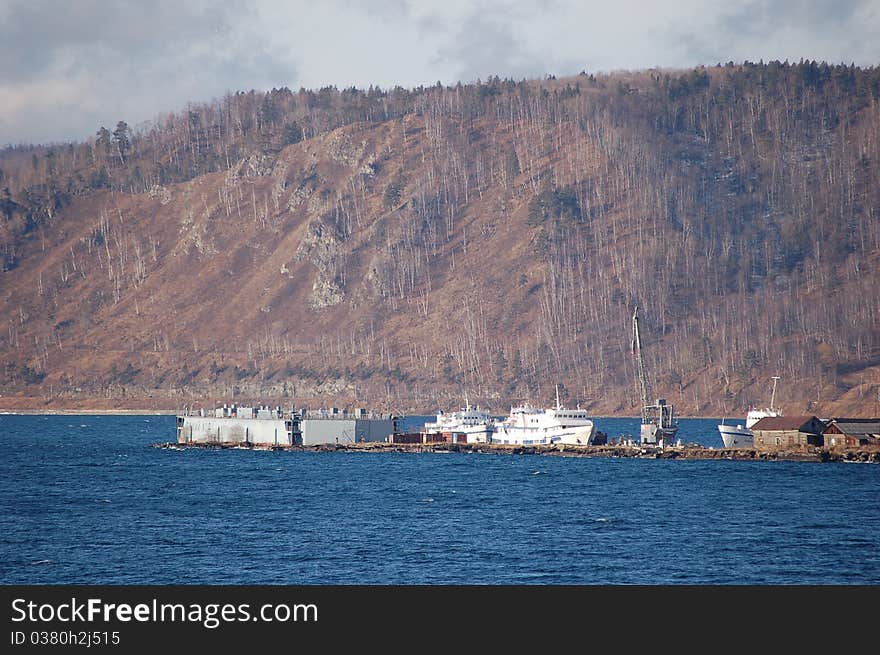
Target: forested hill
{"points": [[402, 248]]}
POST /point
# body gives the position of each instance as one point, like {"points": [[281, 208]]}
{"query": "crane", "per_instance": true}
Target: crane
{"points": [[658, 419]]}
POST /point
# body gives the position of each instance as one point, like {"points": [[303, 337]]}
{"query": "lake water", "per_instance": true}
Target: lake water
{"points": [[86, 499]]}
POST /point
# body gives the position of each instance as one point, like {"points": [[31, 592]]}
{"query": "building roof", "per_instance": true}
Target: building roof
{"points": [[783, 422], [847, 426]]}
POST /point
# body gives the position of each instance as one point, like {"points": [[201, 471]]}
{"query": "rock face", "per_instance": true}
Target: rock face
{"points": [[255, 165], [160, 192], [320, 246], [325, 294]]}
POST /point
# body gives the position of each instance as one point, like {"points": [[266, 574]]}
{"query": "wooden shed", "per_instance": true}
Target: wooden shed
{"points": [[775, 431], [852, 432]]}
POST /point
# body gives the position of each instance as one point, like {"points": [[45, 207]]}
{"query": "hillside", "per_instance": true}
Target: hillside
{"points": [[398, 249]]}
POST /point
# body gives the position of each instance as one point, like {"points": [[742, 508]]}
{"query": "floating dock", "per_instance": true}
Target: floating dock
{"points": [[266, 427]]}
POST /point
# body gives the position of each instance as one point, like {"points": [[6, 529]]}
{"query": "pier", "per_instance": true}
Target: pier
{"points": [[687, 452]]}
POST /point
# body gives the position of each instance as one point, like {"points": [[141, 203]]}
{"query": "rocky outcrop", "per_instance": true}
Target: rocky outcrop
{"points": [[163, 193], [255, 165], [320, 246]]}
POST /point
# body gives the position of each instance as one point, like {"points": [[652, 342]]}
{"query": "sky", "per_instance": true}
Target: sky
{"points": [[67, 67]]}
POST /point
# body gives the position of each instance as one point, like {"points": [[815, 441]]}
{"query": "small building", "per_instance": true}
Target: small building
{"points": [[852, 432], [424, 438], [774, 431], [407, 438]]}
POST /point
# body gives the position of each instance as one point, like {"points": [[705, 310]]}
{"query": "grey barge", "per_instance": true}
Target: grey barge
{"points": [[265, 426]]}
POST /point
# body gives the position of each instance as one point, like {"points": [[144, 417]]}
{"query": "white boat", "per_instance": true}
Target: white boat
{"points": [[741, 436], [472, 423], [530, 426]]}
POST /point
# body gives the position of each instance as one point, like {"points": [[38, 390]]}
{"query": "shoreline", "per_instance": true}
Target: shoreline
{"points": [[78, 411], [171, 412], [689, 452], [4, 411], [81, 412]]}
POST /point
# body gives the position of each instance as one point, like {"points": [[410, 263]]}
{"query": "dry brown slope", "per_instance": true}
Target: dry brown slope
{"points": [[293, 278]]}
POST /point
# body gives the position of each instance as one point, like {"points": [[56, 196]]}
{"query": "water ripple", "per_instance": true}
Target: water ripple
{"points": [[96, 504]]}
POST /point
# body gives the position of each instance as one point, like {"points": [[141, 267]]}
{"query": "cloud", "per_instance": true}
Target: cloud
{"points": [[39, 35], [488, 45], [66, 68], [837, 31], [36, 107], [70, 67]]}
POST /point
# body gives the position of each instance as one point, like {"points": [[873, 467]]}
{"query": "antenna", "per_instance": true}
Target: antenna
{"points": [[558, 406]]}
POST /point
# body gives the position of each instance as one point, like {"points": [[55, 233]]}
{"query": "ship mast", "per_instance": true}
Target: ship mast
{"points": [[636, 346], [773, 395]]}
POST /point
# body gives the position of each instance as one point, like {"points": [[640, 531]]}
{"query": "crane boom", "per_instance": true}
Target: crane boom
{"points": [[636, 347]]}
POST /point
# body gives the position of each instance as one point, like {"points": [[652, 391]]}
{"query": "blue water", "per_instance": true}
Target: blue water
{"points": [[86, 499]]}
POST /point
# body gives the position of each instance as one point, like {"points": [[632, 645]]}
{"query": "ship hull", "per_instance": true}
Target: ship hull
{"points": [[581, 435], [736, 436], [653, 435]]}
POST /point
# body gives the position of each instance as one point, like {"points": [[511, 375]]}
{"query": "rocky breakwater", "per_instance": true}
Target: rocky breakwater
{"points": [[689, 452]]}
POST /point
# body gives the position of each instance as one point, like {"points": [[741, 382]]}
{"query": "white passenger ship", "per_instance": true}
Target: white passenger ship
{"points": [[475, 424], [528, 426], [739, 436]]}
